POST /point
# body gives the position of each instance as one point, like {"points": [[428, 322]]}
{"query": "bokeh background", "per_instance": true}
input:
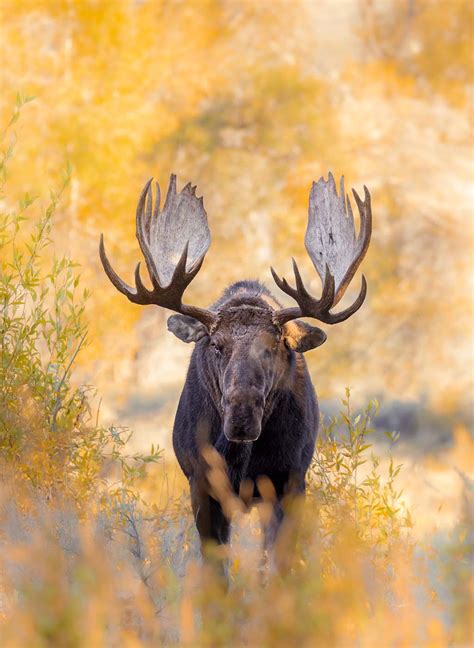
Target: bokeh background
{"points": [[252, 101]]}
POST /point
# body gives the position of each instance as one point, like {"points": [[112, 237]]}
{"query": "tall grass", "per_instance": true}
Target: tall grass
{"points": [[92, 553]]}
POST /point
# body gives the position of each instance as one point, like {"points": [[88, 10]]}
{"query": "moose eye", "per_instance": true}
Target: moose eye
{"points": [[216, 348]]}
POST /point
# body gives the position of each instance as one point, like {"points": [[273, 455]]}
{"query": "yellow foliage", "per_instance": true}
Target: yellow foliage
{"points": [[240, 98], [244, 99]]}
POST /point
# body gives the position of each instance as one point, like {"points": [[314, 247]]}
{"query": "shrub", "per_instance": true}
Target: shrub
{"points": [[47, 439], [85, 561]]}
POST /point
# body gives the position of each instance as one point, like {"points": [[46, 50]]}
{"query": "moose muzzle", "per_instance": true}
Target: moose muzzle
{"points": [[243, 414]]}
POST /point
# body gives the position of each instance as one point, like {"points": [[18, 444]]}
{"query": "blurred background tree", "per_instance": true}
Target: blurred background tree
{"points": [[252, 101]]}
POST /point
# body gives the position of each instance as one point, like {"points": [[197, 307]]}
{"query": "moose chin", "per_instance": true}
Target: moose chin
{"points": [[248, 396]]}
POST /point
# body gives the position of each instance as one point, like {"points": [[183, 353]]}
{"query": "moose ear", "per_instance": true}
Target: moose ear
{"points": [[186, 328], [302, 337]]}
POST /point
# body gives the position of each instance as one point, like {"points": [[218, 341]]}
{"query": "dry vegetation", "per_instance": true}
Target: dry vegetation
{"points": [[98, 551], [252, 101]]}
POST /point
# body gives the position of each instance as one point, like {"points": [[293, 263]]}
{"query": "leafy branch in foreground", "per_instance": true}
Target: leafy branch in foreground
{"points": [[347, 478], [46, 434]]}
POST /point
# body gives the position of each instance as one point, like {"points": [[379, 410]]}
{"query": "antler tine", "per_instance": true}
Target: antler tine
{"points": [[148, 211], [329, 286], [149, 203], [141, 288], [365, 212], [131, 293], [121, 286], [300, 287], [335, 318], [143, 219], [156, 211], [282, 283]]}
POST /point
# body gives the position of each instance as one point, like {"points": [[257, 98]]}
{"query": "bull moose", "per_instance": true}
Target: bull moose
{"points": [[248, 392]]}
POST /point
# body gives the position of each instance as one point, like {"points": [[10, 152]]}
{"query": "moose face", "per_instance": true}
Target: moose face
{"points": [[248, 356], [248, 361]]}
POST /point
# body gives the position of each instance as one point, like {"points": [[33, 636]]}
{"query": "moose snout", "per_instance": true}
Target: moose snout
{"points": [[243, 419]]}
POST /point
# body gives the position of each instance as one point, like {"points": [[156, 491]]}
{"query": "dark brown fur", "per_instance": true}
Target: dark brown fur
{"points": [[250, 396]]}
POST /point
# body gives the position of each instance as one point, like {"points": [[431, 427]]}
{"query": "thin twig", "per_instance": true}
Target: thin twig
{"points": [[57, 404]]}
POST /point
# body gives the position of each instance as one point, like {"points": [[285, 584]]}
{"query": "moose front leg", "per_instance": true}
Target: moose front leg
{"points": [[272, 527], [213, 528], [211, 522], [282, 492]]}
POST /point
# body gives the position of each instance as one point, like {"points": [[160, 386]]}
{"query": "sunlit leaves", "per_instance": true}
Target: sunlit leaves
{"points": [[348, 480], [45, 429]]}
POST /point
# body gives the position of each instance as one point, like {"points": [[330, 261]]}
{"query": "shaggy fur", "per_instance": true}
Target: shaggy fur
{"points": [[244, 381]]}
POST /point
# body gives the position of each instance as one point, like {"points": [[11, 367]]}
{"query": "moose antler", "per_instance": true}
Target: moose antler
{"points": [[335, 251], [174, 243]]}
